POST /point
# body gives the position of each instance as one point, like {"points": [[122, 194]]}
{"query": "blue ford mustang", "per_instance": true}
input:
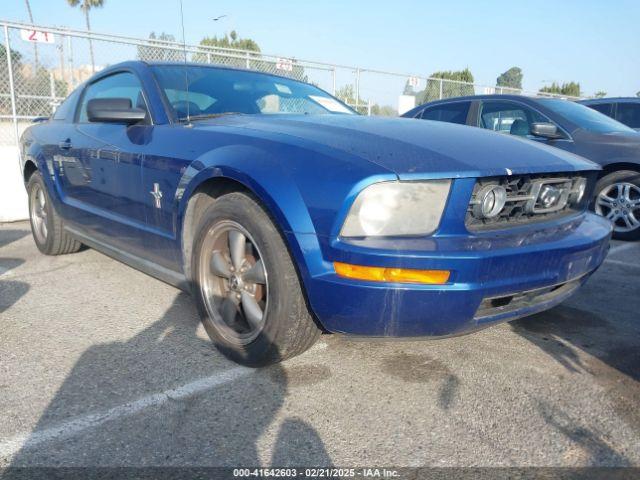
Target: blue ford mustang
{"points": [[286, 214]]}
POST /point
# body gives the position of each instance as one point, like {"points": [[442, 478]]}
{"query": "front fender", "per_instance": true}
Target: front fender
{"points": [[271, 184]]}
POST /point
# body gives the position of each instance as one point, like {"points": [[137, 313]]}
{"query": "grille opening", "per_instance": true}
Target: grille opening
{"points": [[491, 306], [500, 301], [521, 191]]}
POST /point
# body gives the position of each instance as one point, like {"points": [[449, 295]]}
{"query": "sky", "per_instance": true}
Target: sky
{"points": [[594, 42]]}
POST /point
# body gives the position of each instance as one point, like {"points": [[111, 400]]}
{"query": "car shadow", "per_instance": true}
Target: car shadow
{"points": [[591, 449], [9, 236], [109, 411], [10, 291], [585, 343]]}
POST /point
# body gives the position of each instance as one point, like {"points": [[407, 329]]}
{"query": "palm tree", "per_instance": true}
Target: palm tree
{"points": [[35, 45], [85, 6]]}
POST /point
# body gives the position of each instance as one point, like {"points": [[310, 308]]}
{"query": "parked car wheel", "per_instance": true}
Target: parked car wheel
{"points": [[46, 224], [618, 199], [246, 287]]}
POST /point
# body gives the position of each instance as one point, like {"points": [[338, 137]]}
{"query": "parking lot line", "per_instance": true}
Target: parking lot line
{"points": [[621, 248], [71, 427], [622, 263]]}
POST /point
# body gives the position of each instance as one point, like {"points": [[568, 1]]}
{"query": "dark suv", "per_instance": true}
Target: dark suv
{"points": [[625, 110], [566, 125]]}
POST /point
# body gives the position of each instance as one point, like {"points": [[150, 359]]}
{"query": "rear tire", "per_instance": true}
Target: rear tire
{"points": [[46, 225], [245, 284], [617, 198]]}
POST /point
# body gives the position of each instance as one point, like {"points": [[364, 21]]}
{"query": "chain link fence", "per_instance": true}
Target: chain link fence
{"points": [[40, 66]]}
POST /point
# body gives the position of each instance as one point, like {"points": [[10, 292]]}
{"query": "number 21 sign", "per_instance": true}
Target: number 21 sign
{"points": [[37, 36]]}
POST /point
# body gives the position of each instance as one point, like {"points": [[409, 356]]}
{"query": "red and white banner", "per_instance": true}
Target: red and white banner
{"points": [[37, 36], [284, 64]]}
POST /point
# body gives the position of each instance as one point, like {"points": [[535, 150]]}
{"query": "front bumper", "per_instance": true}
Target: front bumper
{"points": [[531, 270]]}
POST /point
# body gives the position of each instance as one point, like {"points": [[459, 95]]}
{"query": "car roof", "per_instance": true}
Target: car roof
{"points": [[526, 98], [146, 63], [471, 98], [596, 101]]}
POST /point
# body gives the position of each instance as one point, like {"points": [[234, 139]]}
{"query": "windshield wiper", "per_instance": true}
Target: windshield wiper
{"points": [[207, 115]]}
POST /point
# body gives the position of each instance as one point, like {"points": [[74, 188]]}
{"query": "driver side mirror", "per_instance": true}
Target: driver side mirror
{"points": [[114, 110], [545, 130]]}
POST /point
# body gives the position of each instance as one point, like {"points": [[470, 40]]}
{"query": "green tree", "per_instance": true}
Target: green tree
{"points": [[16, 66], [249, 58], [570, 89], [156, 49], [638, 93], [383, 111], [31, 84], [511, 79], [347, 93], [85, 6], [553, 88], [231, 41], [454, 84], [600, 94]]}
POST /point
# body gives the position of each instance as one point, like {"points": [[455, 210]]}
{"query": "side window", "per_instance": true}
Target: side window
{"points": [[65, 109], [509, 117], [629, 114], [602, 108], [451, 112], [119, 85]]}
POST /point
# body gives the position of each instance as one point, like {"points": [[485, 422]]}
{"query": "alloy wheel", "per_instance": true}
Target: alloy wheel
{"points": [[620, 203], [39, 213], [233, 282]]}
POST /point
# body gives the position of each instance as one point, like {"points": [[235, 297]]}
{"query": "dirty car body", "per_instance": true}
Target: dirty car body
{"points": [[125, 189]]}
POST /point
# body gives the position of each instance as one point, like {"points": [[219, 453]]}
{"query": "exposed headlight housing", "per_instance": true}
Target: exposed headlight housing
{"points": [[578, 190], [397, 209], [491, 200]]}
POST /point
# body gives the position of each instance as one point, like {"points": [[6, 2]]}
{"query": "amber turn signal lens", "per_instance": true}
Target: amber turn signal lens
{"points": [[393, 275]]}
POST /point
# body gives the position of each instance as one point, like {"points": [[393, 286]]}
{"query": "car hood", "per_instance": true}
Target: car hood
{"points": [[412, 148]]}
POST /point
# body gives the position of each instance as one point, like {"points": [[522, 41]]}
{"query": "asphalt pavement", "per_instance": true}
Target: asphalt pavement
{"points": [[101, 365]]}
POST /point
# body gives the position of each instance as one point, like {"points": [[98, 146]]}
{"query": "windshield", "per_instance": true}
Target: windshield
{"points": [[585, 117], [217, 91]]}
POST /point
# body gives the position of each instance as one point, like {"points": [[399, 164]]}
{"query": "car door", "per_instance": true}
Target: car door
{"points": [[101, 177], [515, 118]]}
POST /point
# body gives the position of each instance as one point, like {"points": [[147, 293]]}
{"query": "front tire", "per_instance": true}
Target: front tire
{"points": [[245, 285], [618, 199], [46, 225]]}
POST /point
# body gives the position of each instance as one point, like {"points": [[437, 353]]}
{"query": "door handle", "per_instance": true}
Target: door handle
{"points": [[66, 145]]}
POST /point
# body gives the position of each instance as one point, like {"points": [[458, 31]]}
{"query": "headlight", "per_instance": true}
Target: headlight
{"points": [[397, 208]]}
